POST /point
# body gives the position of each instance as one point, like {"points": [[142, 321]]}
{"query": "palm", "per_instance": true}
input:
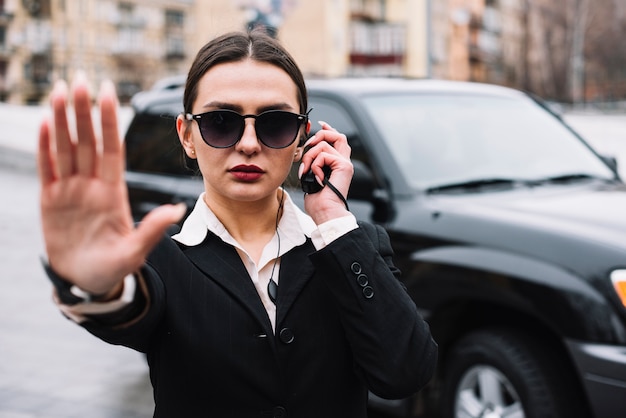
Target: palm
{"points": [[86, 222], [87, 226]]}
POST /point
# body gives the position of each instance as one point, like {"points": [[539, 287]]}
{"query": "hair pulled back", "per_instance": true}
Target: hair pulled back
{"points": [[238, 46]]}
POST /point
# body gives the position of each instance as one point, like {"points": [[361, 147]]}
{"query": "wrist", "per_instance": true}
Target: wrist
{"points": [[323, 216], [88, 297], [70, 294]]}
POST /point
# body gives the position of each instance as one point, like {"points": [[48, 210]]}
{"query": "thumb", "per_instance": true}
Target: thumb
{"points": [[153, 225]]}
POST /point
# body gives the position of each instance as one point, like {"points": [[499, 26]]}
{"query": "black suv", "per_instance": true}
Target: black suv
{"points": [[509, 229]]}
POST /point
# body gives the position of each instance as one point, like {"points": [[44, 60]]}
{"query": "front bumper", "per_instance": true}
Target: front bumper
{"points": [[603, 372]]}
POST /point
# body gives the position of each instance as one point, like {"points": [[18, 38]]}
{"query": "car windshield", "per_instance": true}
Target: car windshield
{"points": [[441, 140]]}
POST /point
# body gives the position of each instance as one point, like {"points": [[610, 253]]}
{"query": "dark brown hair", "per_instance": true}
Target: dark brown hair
{"points": [[237, 46]]}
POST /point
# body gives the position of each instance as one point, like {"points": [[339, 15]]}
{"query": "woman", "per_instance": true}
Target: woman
{"points": [[254, 308]]}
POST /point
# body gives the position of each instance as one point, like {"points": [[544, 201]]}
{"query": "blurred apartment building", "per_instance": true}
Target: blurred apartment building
{"points": [[132, 43], [137, 42]]}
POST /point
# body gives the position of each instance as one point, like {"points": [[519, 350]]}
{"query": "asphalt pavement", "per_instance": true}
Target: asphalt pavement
{"points": [[49, 367]]}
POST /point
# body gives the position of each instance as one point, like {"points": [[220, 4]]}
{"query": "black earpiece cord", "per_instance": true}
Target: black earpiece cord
{"points": [[272, 286], [337, 192]]}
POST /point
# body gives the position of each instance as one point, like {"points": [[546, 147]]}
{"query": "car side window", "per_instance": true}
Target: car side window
{"points": [[152, 145], [333, 113]]}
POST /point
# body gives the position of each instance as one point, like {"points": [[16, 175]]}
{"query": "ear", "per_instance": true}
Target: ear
{"points": [[183, 128], [297, 154]]}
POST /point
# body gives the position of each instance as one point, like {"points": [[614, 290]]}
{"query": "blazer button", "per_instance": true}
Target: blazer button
{"points": [[286, 336], [362, 280], [356, 268], [368, 292]]}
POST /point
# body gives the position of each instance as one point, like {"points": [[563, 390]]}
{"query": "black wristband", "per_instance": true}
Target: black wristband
{"points": [[64, 288]]}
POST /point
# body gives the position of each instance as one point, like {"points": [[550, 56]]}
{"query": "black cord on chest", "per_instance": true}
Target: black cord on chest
{"points": [[272, 286]]}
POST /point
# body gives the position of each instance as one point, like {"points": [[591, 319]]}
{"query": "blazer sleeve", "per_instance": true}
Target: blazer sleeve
{"points": [[136, 333], [392, 345]]}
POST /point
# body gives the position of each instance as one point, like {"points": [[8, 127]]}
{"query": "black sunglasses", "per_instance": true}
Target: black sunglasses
{"points": [[224, 128]]}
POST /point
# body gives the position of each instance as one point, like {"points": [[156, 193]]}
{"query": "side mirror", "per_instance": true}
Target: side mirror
{"points": [[362, 186]]}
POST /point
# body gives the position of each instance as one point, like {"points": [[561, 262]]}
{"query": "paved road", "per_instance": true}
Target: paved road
{"points": [[48, 366]]}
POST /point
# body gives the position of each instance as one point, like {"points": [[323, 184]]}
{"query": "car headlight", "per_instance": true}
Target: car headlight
{"points": [[618, 277]]}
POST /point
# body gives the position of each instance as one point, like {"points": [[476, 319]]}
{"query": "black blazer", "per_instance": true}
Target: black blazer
{"points": [[344, 325]]}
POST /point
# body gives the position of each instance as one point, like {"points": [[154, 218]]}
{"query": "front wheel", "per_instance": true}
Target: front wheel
{"points": [[500, 373]]}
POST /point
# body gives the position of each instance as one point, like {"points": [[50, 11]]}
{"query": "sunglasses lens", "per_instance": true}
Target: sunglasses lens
{"points": [[277, 129], [221, 128]]}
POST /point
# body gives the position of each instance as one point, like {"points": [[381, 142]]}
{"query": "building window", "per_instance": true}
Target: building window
{"points": [[125, 8], [38, 69], [126, 14], [174, 18], [175, 47]]}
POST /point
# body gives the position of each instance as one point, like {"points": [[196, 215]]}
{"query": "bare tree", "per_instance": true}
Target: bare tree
{"points": [[571, 50], [606, 52]]}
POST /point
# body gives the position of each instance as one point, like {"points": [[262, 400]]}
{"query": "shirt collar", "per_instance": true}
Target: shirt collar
{"points": [[294, 225]]}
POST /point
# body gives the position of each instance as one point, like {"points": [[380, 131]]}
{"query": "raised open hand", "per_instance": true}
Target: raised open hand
{"points": [[88, 229]]}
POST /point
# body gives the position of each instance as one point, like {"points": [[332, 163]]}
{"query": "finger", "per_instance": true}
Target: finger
{"points": [[315, 147], [61, 134], [326, 125], [332, 160], [322, 147], [44, 158], [86, 148], [336, 139], [112, 151], [153, 225], [339, 177], [340, 142]]}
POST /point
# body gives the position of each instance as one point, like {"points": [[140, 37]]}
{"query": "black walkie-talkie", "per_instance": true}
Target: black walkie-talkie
{"points": [[308, 182]]}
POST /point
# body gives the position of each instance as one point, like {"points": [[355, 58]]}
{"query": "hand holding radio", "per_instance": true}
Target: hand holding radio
{"points": [[325, 174], [309, 183]]}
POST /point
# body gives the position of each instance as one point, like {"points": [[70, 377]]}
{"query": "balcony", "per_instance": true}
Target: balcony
{"points": [[127, 21], [377, 44], [36, 37]]}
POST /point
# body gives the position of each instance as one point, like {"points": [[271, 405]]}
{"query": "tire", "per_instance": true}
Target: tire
{"points": [[502, 373]]}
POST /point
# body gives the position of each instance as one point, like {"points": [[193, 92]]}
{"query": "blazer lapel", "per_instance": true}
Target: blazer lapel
{"points": [[221, 263], [295, 271]]}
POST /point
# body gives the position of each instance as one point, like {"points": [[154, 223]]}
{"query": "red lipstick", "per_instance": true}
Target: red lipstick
{"points": [[244, 172]]}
